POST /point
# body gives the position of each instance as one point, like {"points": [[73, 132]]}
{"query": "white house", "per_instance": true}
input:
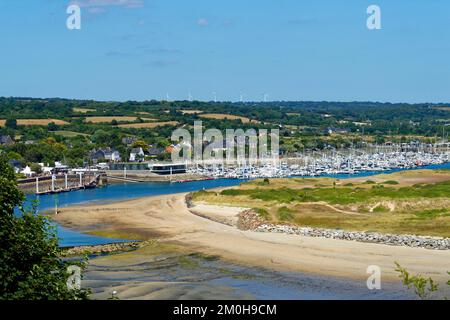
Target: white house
{"points": [[137, 154], [112, 155], [27, 171], [106, 154]]}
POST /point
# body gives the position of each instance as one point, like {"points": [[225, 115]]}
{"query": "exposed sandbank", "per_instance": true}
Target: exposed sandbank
{"points": [[168, 218]]}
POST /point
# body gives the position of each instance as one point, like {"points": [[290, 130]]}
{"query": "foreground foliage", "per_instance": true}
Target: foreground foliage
{"points": [[423, 287], [30, 263]]}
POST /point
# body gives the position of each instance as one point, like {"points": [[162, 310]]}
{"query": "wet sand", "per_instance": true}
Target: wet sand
{"points": [[169, 219], [169, 272]]}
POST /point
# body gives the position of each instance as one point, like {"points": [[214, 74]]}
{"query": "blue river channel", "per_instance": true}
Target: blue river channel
{"points": [[123, 191]]}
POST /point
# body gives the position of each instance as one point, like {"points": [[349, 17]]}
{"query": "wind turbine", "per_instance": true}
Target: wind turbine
{"points": [[241, 98], [167, 97], [443, 131], [265, 95], [190, 97], [215, 96]]}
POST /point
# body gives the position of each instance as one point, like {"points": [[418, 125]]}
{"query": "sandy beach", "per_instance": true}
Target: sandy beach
{"points": [[169, 219]]}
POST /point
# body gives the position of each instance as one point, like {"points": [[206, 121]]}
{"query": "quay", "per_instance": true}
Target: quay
{"points": [[54, 184]]}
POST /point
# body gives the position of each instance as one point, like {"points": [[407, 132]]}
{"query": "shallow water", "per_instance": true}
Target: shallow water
{"points": [[113, 192], [195, 277], [200, 278]]}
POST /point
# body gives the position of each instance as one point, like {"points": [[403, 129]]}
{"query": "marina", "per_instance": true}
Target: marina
{"points": [[321, 164]]}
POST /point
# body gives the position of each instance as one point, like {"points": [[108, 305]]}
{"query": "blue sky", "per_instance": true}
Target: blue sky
{"points": [[289, 49]]}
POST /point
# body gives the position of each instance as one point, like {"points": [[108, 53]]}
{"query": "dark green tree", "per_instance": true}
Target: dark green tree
{"points": [[52, 126], [11, 123], [30, 263]]}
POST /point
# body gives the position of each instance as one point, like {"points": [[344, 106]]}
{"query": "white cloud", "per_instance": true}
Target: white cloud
{"points": [[203, 22]]}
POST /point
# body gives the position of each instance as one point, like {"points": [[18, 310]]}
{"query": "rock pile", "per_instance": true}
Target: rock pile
{"points": [[372, 237], [249, 220], [189, 201], [102, 249]]}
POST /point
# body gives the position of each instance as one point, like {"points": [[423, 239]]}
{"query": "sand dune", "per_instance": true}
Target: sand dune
{"points": [[168, 218]]}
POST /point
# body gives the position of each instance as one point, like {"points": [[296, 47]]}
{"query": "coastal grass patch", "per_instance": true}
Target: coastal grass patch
{"points": [[391, 182], [411, 177], [292, 183], [344, 195], [413, 208], [380, 208], [435, 223], [431, 214], [203, 195], [349, 184], [262, 213], [285, 214], [264, 182]]}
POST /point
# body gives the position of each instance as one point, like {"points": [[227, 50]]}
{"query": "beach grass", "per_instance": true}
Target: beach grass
{"points": [[344, 195], [397, 206]]}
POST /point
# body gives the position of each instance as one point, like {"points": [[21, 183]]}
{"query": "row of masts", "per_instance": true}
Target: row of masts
{"points": [[319, 163]]}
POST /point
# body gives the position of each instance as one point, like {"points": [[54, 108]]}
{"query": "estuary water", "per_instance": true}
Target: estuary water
{"points": [[124, 191], [210, 278]]}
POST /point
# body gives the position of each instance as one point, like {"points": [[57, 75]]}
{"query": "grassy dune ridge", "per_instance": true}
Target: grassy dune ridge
{"points": [[344, 195], [402, 203]]}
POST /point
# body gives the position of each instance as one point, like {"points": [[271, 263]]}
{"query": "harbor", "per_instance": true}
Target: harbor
{"points": [[319, 164], [313, 164]]}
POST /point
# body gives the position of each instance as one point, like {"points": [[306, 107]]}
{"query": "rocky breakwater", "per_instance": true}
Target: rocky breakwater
{"points": [[103, 249], [372, 237], [250, 220]]}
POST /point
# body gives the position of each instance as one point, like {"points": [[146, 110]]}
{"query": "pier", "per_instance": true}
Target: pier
{"points": [[54, 184]]}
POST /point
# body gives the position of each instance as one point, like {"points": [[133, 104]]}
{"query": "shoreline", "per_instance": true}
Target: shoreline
{"points": [[169, 219], [249, 220]]}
